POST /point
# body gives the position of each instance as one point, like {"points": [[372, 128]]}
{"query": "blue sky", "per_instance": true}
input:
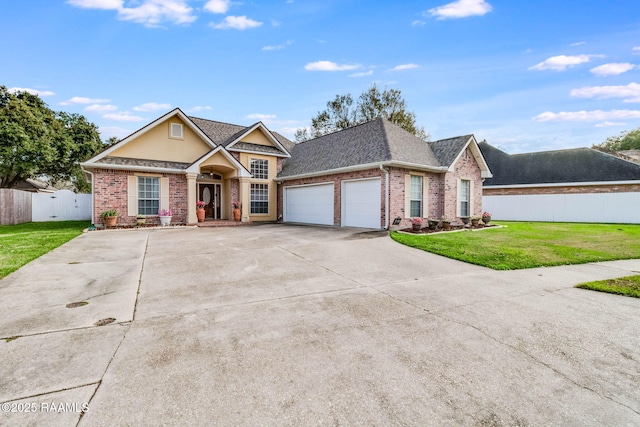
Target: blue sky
{"points": [[524, 75]]}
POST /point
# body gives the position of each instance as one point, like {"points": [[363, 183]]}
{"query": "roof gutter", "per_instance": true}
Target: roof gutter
{"points": [[131, 168], [563, 184], [377, 165]]}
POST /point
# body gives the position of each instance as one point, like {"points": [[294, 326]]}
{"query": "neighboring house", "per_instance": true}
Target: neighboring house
{"points": [[34, 186], [574, 185], [364, 176]]}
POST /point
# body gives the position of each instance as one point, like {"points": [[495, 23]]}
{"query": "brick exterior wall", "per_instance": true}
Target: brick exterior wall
{"points": [[465, 168], [582, 189], [110, 191]]}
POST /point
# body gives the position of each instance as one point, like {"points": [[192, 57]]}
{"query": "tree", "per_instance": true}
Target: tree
{"points": [[35, 141], [627, 140], [341, 113]]}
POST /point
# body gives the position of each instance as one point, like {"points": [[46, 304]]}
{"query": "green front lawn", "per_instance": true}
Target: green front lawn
{"points": [[22, 243], [532, 244], [629, 286]]}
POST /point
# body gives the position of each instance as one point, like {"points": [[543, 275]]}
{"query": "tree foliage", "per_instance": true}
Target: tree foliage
{"points": [[627, 140], [36, 141], [343, 112]]}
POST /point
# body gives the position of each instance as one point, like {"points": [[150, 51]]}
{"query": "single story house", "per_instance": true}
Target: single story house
{"points": [[572, 185], [365, 176]]}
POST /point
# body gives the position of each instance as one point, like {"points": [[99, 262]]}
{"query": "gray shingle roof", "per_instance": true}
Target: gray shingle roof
{"points": [[218, 132], [125, 161], [548, 167], [376, 141], [257, 148]]}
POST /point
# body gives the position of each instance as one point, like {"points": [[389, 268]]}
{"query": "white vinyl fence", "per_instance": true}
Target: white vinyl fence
{"points": [[63, 205], [592, 207]]}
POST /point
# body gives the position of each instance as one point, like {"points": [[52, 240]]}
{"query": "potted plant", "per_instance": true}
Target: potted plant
{"points": [[141, 219], [237, 213], [416, 224], [474, 221], [446, 223], [433, 223], [109, 217], [200, 204], [165, 217], [486, 217], [465, 219]]}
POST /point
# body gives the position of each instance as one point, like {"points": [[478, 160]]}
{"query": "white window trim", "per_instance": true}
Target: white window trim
{"points": [[132, 192], [424, 207], [268, 198], [172, 126], [459, 196], [252, 159]]}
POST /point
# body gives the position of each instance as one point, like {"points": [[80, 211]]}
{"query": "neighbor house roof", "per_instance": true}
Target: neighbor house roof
{"points": [[562, 166], [377, 141]]}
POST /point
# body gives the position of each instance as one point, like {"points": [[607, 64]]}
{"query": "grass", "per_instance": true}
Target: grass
{"points": [[22, 243], [629, 286], [532, 244]]}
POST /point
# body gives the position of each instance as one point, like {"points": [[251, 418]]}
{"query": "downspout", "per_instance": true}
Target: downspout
{"points": [[386, 197], [92, 196]]}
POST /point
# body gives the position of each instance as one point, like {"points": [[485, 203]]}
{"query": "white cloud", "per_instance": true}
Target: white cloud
{"points": [[330, 66], [418, 23], [461, 9], [100, 108], [236, 23], [613, 69], [404, 67], [152, 106], [609, 124], [583, 116], [123, 117], [578, 44], [217, 6], [83, 100], [362, 74], [97, 4], [279, 46], [118, 132], [630, 92], [636, 50], [262, 117], [199, 108], [562, 62], [31, 91]]}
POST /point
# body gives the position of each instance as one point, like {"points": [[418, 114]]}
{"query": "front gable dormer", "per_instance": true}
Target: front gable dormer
{"points": [[257, 139]]}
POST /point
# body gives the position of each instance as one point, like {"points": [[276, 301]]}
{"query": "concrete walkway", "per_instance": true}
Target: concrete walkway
{"points": [[285, 325]]}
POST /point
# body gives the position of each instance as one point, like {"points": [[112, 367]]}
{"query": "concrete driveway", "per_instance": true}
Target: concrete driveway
{"points": [[286, 325]]}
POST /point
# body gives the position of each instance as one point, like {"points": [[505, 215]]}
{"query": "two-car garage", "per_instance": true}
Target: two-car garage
{"points": [[360, 203]]}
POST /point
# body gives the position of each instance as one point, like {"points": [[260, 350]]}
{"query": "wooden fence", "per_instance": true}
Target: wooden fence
{"points": [[18, 206], [15, 206]]}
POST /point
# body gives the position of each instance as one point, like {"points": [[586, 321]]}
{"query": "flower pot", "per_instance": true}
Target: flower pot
{"points": [[141, 221], [200, 214], [416, 227], [446, 225], [165, 221], [486, 219], [110, 221], [433, 224], [465, 220], [474, 222], [236, 214]]}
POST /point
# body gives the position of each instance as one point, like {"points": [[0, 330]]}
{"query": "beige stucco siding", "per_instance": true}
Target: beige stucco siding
{"points": [[273, 187], [156, 144], [257, 137]]}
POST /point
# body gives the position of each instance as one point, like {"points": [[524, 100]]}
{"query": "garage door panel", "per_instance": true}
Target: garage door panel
{"points": [[310, 204], [361, 204]]}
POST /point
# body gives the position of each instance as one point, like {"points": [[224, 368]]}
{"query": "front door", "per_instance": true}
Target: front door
{"points": [[210, 194]]}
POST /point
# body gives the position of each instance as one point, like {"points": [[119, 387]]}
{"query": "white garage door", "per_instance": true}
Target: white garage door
{"points": [[361, 201], [311, 204]]}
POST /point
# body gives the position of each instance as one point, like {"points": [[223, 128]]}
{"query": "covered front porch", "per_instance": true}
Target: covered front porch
{"points": [[218, 180]]}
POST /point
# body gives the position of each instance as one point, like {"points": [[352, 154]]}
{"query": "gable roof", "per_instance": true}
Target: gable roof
{"points": [[576, 165], [369, 145]]}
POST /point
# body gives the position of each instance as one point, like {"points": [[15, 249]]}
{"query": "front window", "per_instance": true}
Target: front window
{"points": [[260, 168], [148, 195], [259, 198], [465, 193], [416, 196]]}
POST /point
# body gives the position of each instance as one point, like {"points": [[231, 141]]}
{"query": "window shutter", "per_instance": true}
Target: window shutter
{"points": [[407, 196], [164, 193], [459, 198], [471, 198], [425, 197], [132, 195]]}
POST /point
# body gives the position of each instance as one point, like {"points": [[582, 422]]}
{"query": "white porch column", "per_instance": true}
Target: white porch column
{"points": [[192, 195], [245, 198]]}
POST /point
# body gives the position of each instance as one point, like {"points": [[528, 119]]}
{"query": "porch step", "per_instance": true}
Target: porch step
{"points": [[221, 223]]}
